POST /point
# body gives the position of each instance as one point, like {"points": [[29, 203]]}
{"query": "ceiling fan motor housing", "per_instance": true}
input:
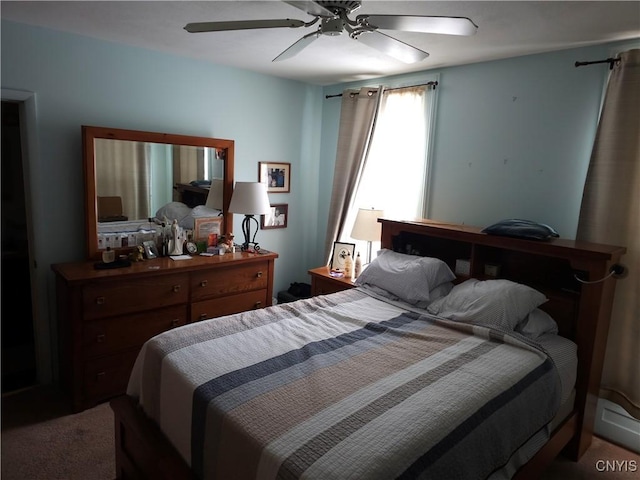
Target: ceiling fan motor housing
{"points": [[340, 6], [332, 26]]}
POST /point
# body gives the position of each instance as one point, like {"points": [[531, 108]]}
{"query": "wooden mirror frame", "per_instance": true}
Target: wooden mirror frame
{"points": [[89, 134]]}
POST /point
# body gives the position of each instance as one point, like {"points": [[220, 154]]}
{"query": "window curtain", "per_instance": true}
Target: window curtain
{"points": [[188, 163], [122, 170], [610, 213], [394, 177], [358, 114]]}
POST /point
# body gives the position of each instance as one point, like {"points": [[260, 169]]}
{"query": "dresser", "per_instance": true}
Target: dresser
{"points": [[104, 316]]}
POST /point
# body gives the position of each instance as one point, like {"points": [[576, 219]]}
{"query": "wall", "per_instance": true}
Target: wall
{"points": [[81, 81], [512, 137]]}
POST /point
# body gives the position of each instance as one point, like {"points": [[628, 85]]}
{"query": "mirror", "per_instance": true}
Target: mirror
{"points": [[132, 175]]}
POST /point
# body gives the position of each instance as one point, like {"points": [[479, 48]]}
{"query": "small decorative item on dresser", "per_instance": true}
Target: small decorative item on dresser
{"points": [[150, 249], [108, 255], [348, 266], [206, 226]]}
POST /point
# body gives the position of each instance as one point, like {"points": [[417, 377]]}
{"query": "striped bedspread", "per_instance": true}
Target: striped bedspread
{"points": [[343, 386]]}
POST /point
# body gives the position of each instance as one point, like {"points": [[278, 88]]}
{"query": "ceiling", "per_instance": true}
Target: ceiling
{"points": [[505, 29]]}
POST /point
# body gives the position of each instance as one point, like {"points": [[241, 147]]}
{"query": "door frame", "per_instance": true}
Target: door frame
{"points": [[28, 136]]}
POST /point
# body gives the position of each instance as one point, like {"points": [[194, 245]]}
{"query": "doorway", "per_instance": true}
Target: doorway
{"points": [[18, 344]]}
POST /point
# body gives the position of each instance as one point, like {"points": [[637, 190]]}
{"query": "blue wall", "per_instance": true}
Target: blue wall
{"points": [[82, 81], [512, 138]]}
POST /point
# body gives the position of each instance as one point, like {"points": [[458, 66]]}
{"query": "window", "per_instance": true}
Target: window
{"points": [[395, 174]]}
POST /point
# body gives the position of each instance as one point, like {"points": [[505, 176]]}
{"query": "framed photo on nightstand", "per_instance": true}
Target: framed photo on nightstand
{"points": [[340, 252]]}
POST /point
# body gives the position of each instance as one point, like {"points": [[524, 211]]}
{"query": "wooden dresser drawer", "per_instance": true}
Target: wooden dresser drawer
{"points": [[116, 298], [104, 336], [108, 376], [225, 281], [218, 307], [105, 316]]}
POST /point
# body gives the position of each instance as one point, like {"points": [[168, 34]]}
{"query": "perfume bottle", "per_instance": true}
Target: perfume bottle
{"points": [[108, 255]]}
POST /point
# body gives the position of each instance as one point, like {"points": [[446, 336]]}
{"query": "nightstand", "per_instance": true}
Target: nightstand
{"points": [[322, 283]]}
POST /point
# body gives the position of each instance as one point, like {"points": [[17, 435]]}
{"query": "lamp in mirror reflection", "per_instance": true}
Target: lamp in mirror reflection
{"points": [[366, 227], [214, 198], [250, 198]]}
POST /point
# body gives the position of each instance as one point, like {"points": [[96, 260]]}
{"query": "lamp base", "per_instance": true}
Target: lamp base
{"points": [[249, 244]]}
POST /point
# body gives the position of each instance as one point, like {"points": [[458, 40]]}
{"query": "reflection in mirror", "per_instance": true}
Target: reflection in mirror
{"points": [[132, 177], [134, 180]]}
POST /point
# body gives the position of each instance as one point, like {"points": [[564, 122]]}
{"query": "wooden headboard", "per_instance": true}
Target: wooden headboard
{"points": [[582, 311]]}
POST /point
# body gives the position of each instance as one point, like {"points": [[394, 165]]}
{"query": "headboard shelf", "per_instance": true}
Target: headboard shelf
{"points": [[582, 311]]}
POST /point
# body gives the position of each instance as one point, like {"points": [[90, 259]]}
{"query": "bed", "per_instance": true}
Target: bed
{"points": [[416, 373]]}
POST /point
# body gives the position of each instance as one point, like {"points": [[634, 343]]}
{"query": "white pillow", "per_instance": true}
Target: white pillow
{"points": [[409, 277], [536, 324], [175, 211], [438, 292], [498, 303]]}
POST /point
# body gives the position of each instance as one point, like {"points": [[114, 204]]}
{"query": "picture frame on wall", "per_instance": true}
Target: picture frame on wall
{"points": [[276, 176], [277, 218], [339, 255]]}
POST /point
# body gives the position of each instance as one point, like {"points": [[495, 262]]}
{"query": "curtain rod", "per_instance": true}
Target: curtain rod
{"points": [[434, 84], [611, 61]]}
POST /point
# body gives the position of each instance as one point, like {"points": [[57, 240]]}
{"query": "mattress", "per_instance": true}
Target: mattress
{"points": [[349, 386]]}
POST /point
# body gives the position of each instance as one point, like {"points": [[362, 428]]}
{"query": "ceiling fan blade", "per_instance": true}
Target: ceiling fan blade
{"points": [[297, 47], [242, 25], [423, 24], [312, 8], [392, 47]]}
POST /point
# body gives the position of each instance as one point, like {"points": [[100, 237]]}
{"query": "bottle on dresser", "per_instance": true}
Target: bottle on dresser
{"points": [[348, 266], [357, 269]]}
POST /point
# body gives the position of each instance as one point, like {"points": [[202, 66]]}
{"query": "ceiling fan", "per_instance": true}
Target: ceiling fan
{"points": [[334, 20]]}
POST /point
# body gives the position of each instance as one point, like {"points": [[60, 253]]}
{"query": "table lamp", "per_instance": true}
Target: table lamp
{"points": [[250, 198], [366, 227]]}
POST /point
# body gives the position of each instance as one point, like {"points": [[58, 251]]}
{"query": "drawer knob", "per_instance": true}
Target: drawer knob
{"points": [[100, 337], [259, 275], [100, 376], [257, 305], [203, 316], [176, 288], [175, 322], [100, 301], [203, 283]]}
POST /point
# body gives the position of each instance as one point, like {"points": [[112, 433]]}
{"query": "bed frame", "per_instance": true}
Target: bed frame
{"points": [[581, 310]]}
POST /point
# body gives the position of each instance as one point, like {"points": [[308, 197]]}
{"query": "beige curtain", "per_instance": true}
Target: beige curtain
{"points": [[122, 170], [610, 213], [188, 163], [357, 121]]}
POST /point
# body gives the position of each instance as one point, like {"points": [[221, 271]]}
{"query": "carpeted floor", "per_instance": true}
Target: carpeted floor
{"points": [[42, 440]]}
